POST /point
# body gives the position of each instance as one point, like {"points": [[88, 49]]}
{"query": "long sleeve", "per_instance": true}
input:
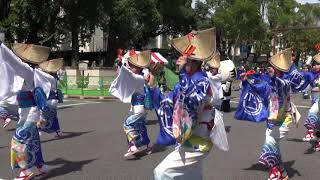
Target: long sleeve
{"points": [[298, 80], [126, 84], [21, 69]]}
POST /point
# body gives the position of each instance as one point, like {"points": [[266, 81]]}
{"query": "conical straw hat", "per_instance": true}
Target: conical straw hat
{"points": [[215, 61], [203, 41], [31, 53], [317, 58], [52, 66], [282, 60], [141, 59]]}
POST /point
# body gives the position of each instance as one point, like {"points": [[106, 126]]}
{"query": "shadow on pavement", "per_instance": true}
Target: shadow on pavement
{"points": [[227, 128], [287, 165], [68, 135], [66, 166], [151, 122], [65, 107], [312, 145], [156, 148]]}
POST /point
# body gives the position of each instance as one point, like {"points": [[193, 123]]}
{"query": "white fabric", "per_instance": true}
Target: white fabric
{"points": [[226, 70], [126, 84], [218, 133], [12, 70], [155, 57], [138, 109], [295, 113], [181, 165], [216, 88], [44, 80]]}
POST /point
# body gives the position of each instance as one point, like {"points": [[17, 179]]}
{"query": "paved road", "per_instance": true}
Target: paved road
{"points": [[94, 144]]}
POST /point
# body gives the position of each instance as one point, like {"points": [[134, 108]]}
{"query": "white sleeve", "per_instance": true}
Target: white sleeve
{"points": [[125, 84]]}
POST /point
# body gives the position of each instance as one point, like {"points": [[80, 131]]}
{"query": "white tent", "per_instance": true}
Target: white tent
{"points": [[155, 57]]}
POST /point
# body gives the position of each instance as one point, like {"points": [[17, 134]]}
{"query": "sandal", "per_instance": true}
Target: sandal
{"points": [[24, 176]]}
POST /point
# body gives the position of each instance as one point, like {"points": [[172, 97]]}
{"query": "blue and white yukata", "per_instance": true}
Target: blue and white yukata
{"points": [[129, 87], [312, 122], [55, 97], [135, 125], [25, 146], [186, 161], [163, 105], [18, 80], [281, 114]]}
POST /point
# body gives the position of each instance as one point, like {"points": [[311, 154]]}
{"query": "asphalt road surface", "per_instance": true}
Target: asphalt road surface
{"points": [[94, 143]]}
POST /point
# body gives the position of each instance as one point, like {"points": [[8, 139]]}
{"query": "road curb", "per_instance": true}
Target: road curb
{"points": [[89, 97]]}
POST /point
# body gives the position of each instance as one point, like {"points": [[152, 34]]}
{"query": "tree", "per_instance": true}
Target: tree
{"points": [[25, 24], [177, 17], [129, 23], [4, 8], [80, 18], [239, 22]]}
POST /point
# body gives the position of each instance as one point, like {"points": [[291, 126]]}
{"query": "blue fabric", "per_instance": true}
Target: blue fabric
{"points": [[253, 104], [298, 80], [25, 99], [194, 89], [59, 96], [40, 99], [52, 95], [148, 98], [52, 121], [163, 106], [28, 135], [137, 99], [137, 123]]}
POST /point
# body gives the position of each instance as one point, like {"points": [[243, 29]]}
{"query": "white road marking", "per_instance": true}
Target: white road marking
{"points": [[305, 107], [78, 104]]}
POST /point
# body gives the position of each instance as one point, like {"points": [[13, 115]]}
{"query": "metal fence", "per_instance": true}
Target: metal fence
{"points": [[99, 85], [85, 85]]}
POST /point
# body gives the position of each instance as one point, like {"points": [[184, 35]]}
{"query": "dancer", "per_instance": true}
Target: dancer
{"points": [[283, 78], [50, 69], [163, 106], [215, 78], [129, 87], [312, 122], [192, 109], [25, 146]]}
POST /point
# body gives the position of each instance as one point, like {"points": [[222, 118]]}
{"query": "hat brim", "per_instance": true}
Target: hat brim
{"points": [[52, 66], [204, 42], [31, 53], [141, 60]]}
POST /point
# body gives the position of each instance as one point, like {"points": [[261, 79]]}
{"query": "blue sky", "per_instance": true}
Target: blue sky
{"points": [[308, 1]]}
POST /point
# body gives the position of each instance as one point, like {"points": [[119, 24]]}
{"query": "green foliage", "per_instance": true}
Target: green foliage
{"points": [[32, 21]]}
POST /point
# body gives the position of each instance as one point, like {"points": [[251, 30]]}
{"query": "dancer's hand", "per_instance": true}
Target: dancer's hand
{"points": [[243, 76], [41, 123]]}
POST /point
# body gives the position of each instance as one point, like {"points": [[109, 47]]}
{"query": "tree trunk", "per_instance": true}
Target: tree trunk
{"points": [[75, 47]]}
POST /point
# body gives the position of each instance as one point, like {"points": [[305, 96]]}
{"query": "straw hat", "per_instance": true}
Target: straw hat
{"points": [[203, 41], [51, 66], [31, 53], [282, 60], [141, 59], [317, 58], [214, 62]]}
